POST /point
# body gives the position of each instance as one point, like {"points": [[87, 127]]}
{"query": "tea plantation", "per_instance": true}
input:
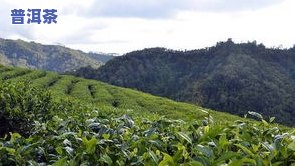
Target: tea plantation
{"points": [[51, 119]]}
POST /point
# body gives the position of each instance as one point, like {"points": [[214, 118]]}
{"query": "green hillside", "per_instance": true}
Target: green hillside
{"points": [[228, 77], [47, 57], [100, 94], [51, 119]]}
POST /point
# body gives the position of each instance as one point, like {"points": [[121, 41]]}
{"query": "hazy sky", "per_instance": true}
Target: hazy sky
{"points": [[120, 26]]}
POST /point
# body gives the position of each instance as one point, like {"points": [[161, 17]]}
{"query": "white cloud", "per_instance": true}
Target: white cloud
{"points": [[169, 8], [230, 5], [114, 26]]}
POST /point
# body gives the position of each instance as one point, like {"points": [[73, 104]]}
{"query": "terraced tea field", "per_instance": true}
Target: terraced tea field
{"points": [[102, 95]]}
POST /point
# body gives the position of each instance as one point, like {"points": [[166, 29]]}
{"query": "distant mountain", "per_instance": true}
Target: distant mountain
{"points": [[47, 57], [103, 57], [230, 77]]}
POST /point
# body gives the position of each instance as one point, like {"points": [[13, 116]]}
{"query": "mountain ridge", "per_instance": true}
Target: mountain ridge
{"points": [[229, 77], [47, 57]]}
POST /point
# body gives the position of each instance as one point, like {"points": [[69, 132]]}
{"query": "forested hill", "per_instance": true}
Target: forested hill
{"points": [[47, 57], [230, 77]]}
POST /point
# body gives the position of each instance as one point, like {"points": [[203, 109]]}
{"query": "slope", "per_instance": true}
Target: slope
{"points": [[108, 97]]}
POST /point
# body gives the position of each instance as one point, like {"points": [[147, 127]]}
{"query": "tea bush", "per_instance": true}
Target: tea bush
{"points": [[67, 133]]}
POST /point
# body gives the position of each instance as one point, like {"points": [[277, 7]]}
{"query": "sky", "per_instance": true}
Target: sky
{"points": [[121, 26]]}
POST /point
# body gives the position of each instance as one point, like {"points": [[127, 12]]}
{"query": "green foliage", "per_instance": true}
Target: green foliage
{"points": [[20, 106], [229, 77], [73, 134]]}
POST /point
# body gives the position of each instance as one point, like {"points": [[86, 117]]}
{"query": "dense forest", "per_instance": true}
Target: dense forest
{"points": [[230, 77], [47, 57]]}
